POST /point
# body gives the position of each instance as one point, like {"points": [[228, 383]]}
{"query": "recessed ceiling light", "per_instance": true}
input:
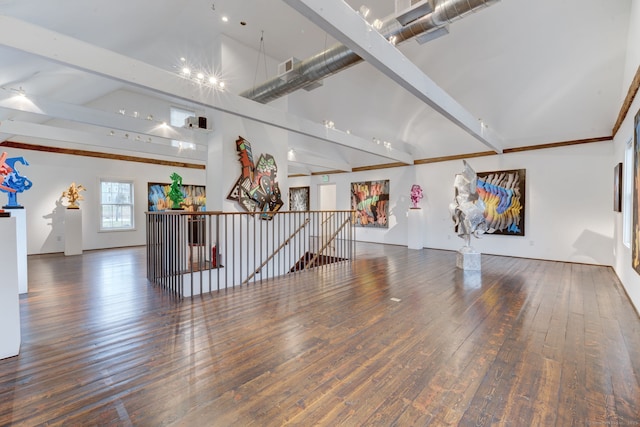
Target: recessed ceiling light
{"points": [[225, 19]]}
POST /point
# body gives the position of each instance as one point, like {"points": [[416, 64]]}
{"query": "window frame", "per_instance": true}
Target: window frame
{"points": [[102, 204]]}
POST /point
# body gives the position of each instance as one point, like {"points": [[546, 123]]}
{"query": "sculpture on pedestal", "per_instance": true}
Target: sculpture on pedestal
{"points": [[416, 196], [12, 182], [467, 212], [73, 195], [175, 191]]}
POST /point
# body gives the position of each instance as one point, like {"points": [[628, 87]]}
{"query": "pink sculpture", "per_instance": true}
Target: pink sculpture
{"points": [[416, 196], [5, 170]]}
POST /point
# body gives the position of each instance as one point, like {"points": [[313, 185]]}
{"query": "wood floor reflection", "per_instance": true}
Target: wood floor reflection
{"points": [[401, 337]]}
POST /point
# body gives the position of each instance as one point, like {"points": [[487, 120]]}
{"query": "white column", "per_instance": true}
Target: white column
{"points": [[20, 214], [72, 232], [9, 300], [415, 229]]}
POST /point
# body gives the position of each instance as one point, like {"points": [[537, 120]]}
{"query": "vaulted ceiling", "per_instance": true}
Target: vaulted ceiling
{"points": [[517, 73]]}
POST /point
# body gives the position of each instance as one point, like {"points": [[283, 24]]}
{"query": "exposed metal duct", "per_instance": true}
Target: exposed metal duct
{"points": [[339, 57]]}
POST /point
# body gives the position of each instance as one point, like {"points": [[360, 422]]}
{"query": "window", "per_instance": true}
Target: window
{"points": [[116, 205], [627, 198], [178, 117]]}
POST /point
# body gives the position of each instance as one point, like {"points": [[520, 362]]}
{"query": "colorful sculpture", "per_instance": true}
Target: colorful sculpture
{"points": [[256, 188], [73, 195], [13, 183], [467, 209], [175, 191], [416, 196], [5, 170]]}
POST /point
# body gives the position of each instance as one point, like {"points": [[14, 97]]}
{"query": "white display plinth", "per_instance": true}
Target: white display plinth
{"points": [[20, 214], [468, 259], [415, 229], [9, 300], [72, 232]]}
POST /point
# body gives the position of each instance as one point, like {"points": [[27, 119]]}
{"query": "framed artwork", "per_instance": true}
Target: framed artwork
{"points": [[503, 195], [370, 200], [635, 241], [299, 199], [257, 188], [617, 188], [194, 197]]}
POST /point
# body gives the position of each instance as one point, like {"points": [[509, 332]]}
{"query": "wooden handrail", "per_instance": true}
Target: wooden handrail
{"points": [[317, 254], [270, 257]]}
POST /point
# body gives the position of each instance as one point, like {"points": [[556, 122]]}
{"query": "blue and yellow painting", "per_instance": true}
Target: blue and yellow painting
{"points": [[194, 197], [503, 195]]}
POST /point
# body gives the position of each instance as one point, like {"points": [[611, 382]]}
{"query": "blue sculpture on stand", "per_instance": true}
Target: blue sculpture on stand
{"points": [[14, 183]]}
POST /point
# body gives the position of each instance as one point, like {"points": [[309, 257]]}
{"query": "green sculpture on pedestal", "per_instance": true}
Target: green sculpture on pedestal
{"points": [[175, 191]]}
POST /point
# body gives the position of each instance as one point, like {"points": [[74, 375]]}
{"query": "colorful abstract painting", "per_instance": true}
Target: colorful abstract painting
{"points": [[370, 201], [503, 195], [194, 197], [257, 188], [635, 244], [299, 199]]}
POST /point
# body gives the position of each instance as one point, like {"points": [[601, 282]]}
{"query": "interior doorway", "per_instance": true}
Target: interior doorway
{"points": [[327, 197]]}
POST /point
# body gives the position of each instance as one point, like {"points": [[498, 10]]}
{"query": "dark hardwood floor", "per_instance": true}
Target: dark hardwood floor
{"points": [[524, 343]]}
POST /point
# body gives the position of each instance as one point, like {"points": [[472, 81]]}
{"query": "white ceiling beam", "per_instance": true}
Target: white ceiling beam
{"points": [[76, 113], [312, 160], [116, 142], [75, 53], [339, 20]]}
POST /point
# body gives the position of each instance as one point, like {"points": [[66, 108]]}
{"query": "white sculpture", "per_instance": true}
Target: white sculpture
{"points": [[467, 212]]}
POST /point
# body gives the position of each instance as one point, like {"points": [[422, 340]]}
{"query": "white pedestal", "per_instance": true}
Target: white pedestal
{"points": [[72, 232], [468, 259], [21, 248], [9, 300], [415, 228]]}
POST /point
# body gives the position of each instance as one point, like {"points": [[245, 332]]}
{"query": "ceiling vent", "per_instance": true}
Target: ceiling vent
{"points": [[409, 10], [313, 85], [287, 69]]}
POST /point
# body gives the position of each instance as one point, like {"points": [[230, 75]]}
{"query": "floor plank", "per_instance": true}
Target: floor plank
{"points": [[399, 337]]}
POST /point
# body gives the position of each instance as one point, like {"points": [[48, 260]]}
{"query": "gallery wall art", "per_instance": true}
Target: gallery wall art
{"points": [[194, 197], [503, 193], [257, 188], [370, 201], [635, 242], [617, 188], [299, 199]]}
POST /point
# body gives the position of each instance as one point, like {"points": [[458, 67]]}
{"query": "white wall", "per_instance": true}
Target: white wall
{"points": [[52, 174], [569, 193], [629, 277]]}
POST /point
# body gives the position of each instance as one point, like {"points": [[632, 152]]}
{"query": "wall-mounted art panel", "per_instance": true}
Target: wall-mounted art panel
{"points": [[257, 188], [617, 188], [635, 242], [503, 195], [370, 200], [299, 199], [194, 197]]}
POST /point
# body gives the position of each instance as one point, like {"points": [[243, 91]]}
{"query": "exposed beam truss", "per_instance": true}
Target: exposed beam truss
{"points": [[55, 133], [75, 53], [339, 20]]}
